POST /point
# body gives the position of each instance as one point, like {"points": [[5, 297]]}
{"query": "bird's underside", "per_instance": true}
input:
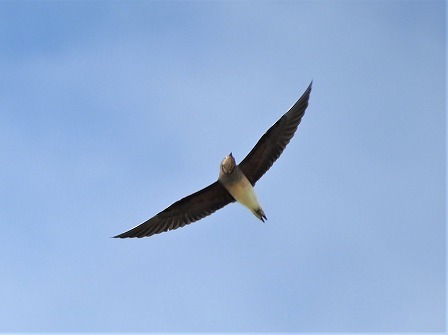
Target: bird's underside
{"points": [[235, 182]]}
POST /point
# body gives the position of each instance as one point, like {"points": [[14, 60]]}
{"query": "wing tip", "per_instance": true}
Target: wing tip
{"points": [[119, 236], [308, 89], [133, 233]]}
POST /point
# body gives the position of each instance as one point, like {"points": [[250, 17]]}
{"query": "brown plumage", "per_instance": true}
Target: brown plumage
{"points": [[235, 181]]}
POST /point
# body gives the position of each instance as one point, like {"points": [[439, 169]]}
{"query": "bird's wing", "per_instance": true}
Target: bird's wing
{"points": [[273, 142], [185, 211]]}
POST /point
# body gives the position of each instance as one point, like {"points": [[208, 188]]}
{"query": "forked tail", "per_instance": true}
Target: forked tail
{"points": [[259, 214]]}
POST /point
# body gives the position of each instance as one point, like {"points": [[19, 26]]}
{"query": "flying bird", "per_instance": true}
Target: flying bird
{"points": [[235, 181]]}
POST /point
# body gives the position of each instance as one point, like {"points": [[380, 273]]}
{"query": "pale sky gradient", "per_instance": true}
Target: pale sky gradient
{"points": [[111, 111]]}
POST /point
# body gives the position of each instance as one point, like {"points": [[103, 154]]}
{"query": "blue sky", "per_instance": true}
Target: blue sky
{"points": [[111, 111]]}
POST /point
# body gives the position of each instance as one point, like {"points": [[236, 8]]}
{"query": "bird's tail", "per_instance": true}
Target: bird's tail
{"points": [[259, 214]]}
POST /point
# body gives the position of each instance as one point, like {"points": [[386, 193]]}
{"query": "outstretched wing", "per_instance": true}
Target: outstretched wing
{"points": [[273, 142], [185, 211]]}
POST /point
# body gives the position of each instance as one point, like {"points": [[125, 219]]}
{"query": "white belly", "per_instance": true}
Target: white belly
{"points": [[244, 193]]}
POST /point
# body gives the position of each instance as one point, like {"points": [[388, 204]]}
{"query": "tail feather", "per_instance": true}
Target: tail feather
{"points": [[260, 214]]}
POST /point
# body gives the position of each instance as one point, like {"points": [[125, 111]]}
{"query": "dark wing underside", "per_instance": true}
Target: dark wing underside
{"points": [[185, 211], [273, 142]]}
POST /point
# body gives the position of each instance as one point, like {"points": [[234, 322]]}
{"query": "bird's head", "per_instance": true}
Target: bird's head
{"points": [[228, 164]]}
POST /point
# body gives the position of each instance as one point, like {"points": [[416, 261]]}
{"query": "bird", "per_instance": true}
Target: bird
{"points": [[235, 182]]}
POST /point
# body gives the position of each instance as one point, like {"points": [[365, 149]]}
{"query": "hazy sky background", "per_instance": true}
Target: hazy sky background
{"points": [[111, 111]]}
